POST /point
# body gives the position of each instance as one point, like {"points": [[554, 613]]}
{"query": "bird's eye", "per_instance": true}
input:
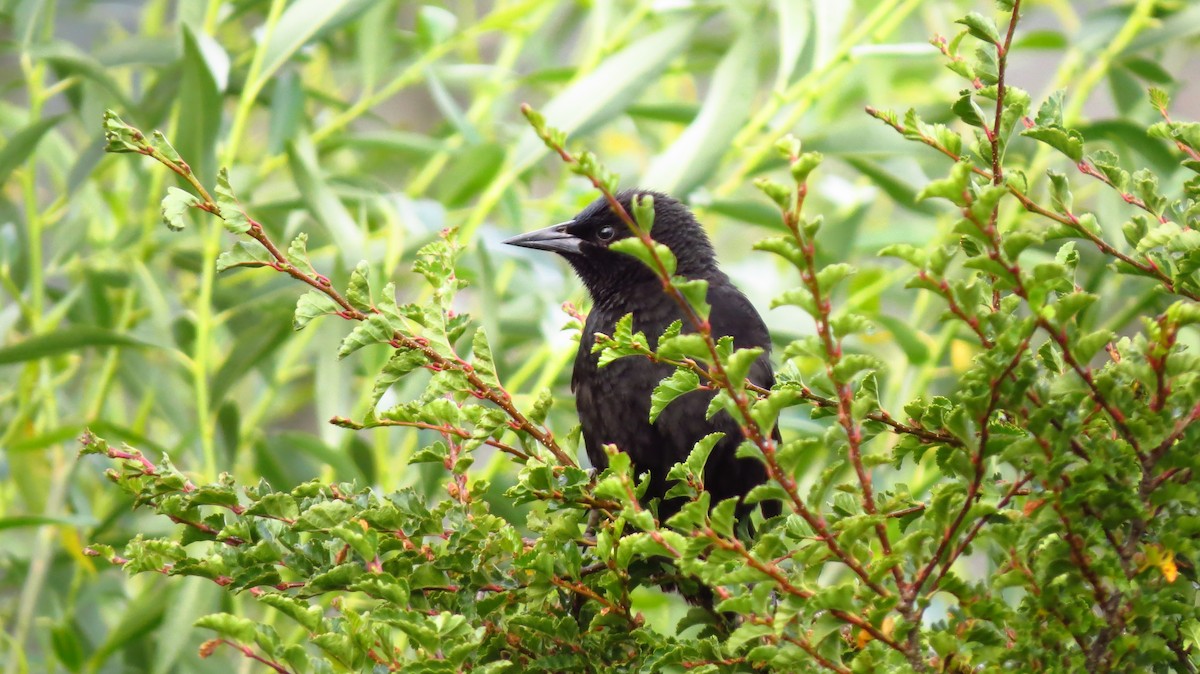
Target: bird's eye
{"points": [[606, 233]]}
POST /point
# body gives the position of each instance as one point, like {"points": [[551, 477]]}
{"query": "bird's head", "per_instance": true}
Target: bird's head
{"points": [[585, 239]]}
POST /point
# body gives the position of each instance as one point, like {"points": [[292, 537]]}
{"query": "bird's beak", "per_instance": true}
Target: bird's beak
{"points": [[554, 238]]}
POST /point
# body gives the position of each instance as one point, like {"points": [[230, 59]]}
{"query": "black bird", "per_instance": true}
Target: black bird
{"points": [[614, 401]]}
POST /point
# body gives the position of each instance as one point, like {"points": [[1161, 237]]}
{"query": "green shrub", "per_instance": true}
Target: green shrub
{"points": [[1031, 508], [1052, 535]]}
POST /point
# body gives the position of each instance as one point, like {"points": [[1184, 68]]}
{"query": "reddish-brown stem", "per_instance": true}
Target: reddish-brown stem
{"points": [[977, 458], [586, 500], [943, 289], [1085, 373], [1079, 556], [1001, 71], [1184, 148], [1181, 426], [1057, 334], [813, 653], [1109, 605], [874, 631], [925, 435], [231, 541], [1014, 490], [444, 429], [1087, 169], [833, 355], [774, 572], [780, 578], [911, 510], [1170, 473], [725, 662], [497, 395], [587, 592], [1157, 356], [246, 651]]}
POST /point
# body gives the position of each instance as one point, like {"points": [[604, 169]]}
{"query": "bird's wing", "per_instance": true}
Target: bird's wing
{"points": [[682, 423], [733, 314]]}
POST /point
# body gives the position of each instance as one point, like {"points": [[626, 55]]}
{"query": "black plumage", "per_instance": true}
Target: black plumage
{"points": [[614, 401]]}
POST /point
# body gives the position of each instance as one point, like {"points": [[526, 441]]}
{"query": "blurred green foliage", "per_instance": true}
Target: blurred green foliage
{"points": [[372, 126]]}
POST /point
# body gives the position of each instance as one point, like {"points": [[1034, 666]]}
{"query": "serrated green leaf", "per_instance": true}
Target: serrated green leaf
{"points": [[1109, 164], [401, 363], [481, 357], [174, 205], [311, 305], [240, 630], [738, 364], [244, 254], [952, 188], [695, 291], [309, 617], [297, 252], [689, 345], [1145, 184], [907, 252], [1050, 113], [829, 276], [358, 292], [1187, 133], [1160, 99], [643, 211], [777, 192], [804, 165], [852, 364], [1090, 344], [722, 517], [277, 505], [119, 136], [325, 515], [969, 111], [784, 247], [541, 406], [981, 27], [698, 457], [375, 330], [1067, 142], [634, 246], [1060, 192], [231, 211], [160, 143], [798, 297], [680, 382]]}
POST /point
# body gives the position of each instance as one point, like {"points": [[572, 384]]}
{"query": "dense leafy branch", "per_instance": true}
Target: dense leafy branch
{"points": [[123, 138], [1147, 267], [1061, 451]]}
